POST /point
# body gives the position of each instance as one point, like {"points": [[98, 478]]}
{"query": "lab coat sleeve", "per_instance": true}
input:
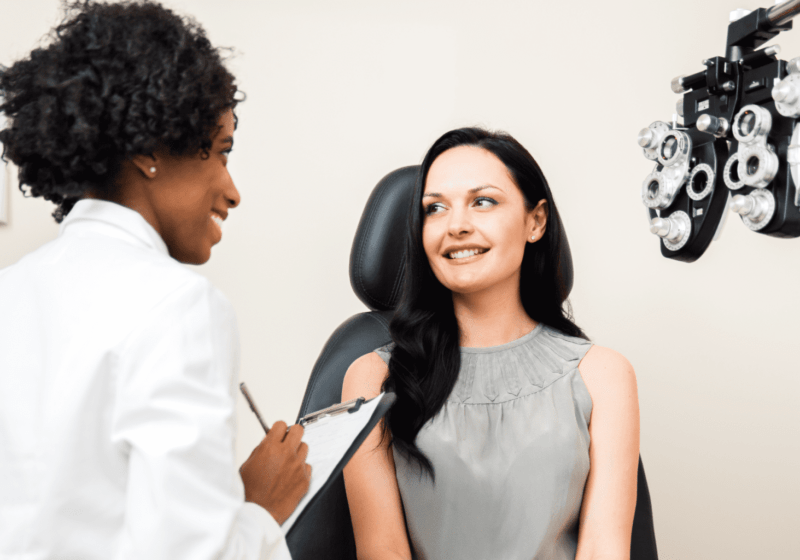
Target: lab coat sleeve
{"points": [[174, 416]]}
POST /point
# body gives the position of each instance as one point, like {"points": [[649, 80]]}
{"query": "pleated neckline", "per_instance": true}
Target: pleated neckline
{"points": [[500, 347]]}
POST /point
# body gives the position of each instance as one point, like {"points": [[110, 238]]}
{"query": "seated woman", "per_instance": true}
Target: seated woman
{"points": [[512, 435]]}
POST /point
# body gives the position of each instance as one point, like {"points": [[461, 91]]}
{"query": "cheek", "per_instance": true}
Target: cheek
{"points": [[430, 242], [513, 245]]}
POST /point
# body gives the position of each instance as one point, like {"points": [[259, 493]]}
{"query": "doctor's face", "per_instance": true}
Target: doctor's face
{"points": [[476, 223], [192, 195]]}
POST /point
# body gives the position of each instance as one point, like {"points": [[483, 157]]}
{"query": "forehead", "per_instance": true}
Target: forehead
{"points": [[226, 123], [465, 167]]}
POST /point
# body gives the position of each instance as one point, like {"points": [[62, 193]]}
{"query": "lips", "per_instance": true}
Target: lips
{"points": [[465, 253], [217, 219]]}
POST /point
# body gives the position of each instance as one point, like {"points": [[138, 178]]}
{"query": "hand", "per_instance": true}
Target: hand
{"points": [[276, 475]]}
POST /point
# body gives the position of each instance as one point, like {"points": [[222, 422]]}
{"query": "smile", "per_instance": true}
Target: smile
{"points": [[217, 220], [465, 253]]}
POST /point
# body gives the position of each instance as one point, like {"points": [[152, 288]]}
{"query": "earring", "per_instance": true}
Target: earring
{"points": [[533, 238], [152, 170]]}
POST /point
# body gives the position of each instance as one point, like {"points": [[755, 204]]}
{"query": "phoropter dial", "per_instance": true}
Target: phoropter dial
{"points": [[756, 208], [757, 162], [673, 230], [672, 150], [786, 92], [650, 138], [701, 182]]}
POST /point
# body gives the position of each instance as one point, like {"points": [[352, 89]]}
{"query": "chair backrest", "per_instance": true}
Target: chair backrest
{"points": [[376, 269]]}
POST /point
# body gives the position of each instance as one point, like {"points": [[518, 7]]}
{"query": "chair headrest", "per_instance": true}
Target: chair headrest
{"points": [[376, 259]]}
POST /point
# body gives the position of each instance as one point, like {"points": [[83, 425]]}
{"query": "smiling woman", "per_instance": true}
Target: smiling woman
{"points": [[185, 198], [116, 402], [512, 435]]}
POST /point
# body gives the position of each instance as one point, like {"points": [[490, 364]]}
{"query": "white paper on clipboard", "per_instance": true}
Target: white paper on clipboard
{"points": [[328, 441]]}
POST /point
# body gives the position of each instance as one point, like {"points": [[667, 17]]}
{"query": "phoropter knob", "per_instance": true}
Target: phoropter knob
{"points": [[786, 94], [783, 91], [674, 229], [756, 208], [677, 84], [748, 206], [793, 66], [646, 138], [717, 127]]}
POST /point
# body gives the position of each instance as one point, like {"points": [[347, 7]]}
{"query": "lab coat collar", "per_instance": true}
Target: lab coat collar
{"points": [[129, 221]]}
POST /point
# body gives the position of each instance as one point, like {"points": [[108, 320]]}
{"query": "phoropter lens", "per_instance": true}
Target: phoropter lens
{"points": [[747, 123], [735, 171], [752, 165], [700, 181], [669, 147], [652, 190]]}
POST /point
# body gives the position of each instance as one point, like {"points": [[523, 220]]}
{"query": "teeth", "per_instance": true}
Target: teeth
{"points": [[217, 220], [464, 254]]}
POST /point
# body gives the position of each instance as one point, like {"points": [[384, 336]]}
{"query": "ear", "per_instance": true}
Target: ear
{"points": [[536, 222], [147, 164]]}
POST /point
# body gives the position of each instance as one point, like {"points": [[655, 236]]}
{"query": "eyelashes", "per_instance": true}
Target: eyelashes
{"points": [[490, 200], [433, 208], [480, 202]]}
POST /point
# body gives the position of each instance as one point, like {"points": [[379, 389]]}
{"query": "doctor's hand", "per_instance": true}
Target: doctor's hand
{"points": [[276, 475]]}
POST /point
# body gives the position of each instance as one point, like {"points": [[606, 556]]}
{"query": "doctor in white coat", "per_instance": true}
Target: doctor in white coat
{"points": [[118, 364]]}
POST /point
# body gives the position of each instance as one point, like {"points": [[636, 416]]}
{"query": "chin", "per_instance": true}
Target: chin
{"points": [[466, 286], [186, 257]]}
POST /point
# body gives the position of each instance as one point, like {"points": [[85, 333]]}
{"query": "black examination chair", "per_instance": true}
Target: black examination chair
{"points": [[325, 531]]}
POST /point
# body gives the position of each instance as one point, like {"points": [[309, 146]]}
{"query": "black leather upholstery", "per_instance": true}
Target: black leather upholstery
{"points": [[376, 259], [325, 531]]}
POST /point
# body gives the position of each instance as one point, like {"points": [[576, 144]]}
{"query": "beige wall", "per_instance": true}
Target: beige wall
{"points": [[340, 93]]}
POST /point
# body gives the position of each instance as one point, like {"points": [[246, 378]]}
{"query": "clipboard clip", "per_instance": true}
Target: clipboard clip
{"points": [[348, 406]]}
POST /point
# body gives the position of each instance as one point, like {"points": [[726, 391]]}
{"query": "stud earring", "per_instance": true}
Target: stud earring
{"points": [[152, 170], [533, 238]]}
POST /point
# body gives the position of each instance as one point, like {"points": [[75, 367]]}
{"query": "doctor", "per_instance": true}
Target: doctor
{"points": [[118, 364]]}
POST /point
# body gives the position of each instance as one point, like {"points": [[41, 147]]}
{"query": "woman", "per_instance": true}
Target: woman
{"points": [[119, 363], [512, 436]]}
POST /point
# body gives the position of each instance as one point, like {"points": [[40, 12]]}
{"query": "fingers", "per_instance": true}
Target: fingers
{"points": [[278, 431], [293, 436], [302, 452], [308, 471]]}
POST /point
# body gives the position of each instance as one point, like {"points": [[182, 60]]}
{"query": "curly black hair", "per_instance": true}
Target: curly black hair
{"points": [[116, 80]]}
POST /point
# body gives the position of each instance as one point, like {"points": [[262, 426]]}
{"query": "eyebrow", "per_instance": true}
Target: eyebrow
{"points": [[473, 190], [228, 140]]}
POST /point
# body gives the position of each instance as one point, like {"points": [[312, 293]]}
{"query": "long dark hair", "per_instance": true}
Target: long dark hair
{"points": [[426, 358]]}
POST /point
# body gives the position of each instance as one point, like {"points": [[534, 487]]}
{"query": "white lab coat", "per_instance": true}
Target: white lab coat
{"points": [[118, 368]]}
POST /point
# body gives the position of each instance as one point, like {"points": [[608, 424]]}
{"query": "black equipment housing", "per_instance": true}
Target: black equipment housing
{"points": [[744, 76]]}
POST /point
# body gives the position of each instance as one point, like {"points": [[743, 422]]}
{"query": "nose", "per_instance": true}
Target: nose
{"points": [[459, 223], [232, 196]]}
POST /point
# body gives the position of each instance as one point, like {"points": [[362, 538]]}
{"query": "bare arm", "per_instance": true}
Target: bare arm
{"points": [[609, 499], [370, 481]]}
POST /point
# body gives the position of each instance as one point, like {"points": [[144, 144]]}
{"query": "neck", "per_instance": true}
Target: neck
{"points": [[492, 316], [131, 191]]}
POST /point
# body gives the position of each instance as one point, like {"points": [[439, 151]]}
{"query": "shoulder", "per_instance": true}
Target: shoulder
{"points": [[607, 373], [364, 377]]}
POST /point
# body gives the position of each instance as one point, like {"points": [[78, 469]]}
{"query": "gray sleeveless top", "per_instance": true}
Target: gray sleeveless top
{"points": [[510, 449]]}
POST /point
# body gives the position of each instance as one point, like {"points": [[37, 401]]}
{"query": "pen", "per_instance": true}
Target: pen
{"points": [[253, 406]]}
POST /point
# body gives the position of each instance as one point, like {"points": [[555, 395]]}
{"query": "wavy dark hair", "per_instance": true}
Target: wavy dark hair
{"points": [[426, 359], [116, 80]]}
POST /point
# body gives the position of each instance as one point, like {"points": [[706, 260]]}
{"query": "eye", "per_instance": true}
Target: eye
{"points": [[485, 202], [434, 208]]}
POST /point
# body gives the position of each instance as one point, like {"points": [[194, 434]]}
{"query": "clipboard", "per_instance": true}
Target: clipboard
{"points": [[327, 420]]}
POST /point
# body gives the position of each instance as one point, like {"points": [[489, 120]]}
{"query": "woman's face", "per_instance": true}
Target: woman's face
{"points": [[476, 223], [190, 196]]}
